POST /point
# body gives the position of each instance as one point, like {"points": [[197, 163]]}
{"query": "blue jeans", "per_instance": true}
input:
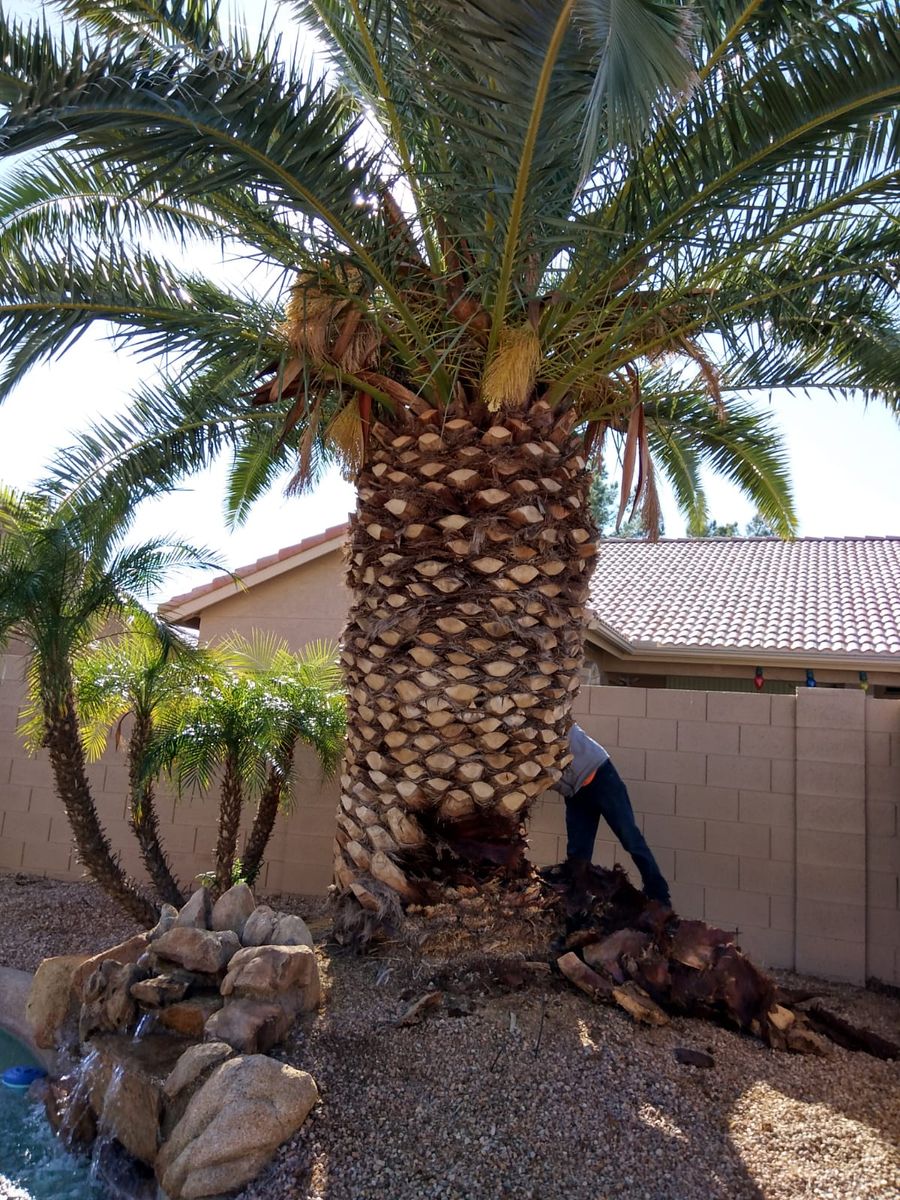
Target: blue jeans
{"points": [[606, 796]]}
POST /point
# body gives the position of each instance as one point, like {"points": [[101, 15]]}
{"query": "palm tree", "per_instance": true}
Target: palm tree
{"points": [[61, 584], [241, 722], [132, 677], [480, 235], [303, 692]]}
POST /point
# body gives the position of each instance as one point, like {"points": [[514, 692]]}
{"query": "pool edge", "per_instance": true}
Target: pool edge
{"points": [[14, 988]]}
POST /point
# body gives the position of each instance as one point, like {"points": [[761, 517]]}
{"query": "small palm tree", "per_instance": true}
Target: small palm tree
{"points": [[305, 694], [485, 228], [241, 723], [61, 584], [133, 677]]}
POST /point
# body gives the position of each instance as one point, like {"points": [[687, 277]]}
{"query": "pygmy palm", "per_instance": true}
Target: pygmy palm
{"points": [[487, 227], [129, 679], [61, 583], [239, 725], [304, 694]]}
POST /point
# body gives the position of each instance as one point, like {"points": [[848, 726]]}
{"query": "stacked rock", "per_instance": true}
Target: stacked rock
{"points": [[232, 976], [230, 971]]}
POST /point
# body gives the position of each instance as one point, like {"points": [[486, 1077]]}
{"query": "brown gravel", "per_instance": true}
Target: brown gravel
{"points": [[472, 1108], [40, 918]]}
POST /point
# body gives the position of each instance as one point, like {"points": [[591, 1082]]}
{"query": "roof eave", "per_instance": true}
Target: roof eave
{"points": [[186, 610], [601, 634]]}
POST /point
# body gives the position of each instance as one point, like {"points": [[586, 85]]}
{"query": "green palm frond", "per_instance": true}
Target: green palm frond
{"points": [[644, 65], [46, 303], [743, 446], [191, 23], [465, 174]]}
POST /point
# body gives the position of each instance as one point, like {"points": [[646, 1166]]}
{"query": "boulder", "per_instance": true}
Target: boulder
{"points": [[233, 909], [260, 926], [291, 931], [190, 1073], [124, 1080], [197, 912], [50, 997], [108, 1004], [249, 1026], [161, 989], [193, 1064], [232, 1127], [168, 915], [197, 949], [259, 972], [189, 1017], [126, 952], [197, 981], [68, 1111]]}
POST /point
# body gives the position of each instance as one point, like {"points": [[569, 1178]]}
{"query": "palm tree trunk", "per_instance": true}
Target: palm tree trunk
{"points": [[264, 821], [144, 820], [92, 845], [470, 556], [230, 804]]}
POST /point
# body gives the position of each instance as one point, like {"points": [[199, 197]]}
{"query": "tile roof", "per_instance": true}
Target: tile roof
{"points": [[245, 573], [823, 596], [814, 595]]}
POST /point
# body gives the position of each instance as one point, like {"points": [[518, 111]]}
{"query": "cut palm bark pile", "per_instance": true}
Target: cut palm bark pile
{"points": [[625, 949]]}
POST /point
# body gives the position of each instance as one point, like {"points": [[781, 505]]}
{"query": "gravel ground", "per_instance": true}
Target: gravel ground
{"points": [[537, 1092]]}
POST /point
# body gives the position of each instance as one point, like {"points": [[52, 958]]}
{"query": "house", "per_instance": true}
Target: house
{"points": [[714, 614], [775, 812]]}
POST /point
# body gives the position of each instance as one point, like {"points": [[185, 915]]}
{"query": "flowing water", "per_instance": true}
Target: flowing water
{"points": [[33, 1163]]}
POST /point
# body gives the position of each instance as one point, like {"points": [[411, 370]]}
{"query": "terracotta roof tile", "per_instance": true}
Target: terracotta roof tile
{"points": [[244, 573], [812, 595], [815, 595]]}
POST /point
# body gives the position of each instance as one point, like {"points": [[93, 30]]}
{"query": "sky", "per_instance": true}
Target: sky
{"points": [[845, 459]]}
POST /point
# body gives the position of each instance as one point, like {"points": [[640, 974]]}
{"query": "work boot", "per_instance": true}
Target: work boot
{"points": [[659, 892]]}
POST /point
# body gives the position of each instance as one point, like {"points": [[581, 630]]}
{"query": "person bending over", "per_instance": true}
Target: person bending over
{"points": [[592, 788]]}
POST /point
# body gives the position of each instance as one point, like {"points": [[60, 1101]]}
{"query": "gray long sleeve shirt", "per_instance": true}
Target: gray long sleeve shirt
{"points": [[587, 757]]}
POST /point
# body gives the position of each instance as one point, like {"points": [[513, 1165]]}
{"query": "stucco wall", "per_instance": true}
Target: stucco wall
{"points": [[299, 606], [775, 815]]}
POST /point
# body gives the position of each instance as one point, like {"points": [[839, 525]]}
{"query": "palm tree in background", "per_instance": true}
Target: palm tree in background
{"points": [[62, 585], [305, 698], [128, 680], [238, 728], [490, 236]]}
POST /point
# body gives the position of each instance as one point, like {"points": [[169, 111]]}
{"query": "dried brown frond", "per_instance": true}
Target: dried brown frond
{"points": [[325, 320], [510, 375], [345, 434], [635, 438], [303, 476], [708, 374]]}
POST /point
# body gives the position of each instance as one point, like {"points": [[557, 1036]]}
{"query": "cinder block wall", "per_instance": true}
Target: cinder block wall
{"points": [[772, 815]]}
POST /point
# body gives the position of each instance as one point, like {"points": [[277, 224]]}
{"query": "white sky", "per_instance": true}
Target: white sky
{"points": [[845, 459]]}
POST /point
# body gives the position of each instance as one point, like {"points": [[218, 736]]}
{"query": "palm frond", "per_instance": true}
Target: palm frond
{"points": [[194, 24]]}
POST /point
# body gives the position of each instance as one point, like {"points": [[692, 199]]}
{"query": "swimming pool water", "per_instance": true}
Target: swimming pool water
{"points": [[33, 1164]]}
